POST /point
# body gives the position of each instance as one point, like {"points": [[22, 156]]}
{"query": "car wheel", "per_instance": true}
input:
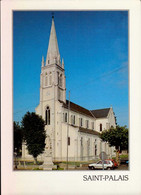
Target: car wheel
{"points": [[92, 168], [108, 168]]}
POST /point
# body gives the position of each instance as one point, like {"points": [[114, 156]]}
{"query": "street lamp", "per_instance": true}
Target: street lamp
{"points": [[102, 157], [95, 149]]}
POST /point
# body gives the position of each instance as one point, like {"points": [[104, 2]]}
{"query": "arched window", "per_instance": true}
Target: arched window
{"points": [[66, 117], [100, 127], [47, 116], [46, 83], [58, 77], [80, 122], [50, 78], [71, 119], [87, 124], [74, 119], [68, 141], [60, 80], [59, 94], [95, 150]]}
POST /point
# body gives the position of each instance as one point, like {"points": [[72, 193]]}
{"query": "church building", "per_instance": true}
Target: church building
{"points": [[74, 131]]}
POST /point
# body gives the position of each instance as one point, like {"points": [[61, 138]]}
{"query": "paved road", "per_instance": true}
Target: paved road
{"points": [[121, 167]]}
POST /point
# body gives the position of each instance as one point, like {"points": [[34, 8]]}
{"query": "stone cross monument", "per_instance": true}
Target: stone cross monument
{"points": [[48, 164]]}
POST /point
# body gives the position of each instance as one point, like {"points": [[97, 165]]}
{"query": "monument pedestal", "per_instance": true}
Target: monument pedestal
{"points": [[48, 164]]}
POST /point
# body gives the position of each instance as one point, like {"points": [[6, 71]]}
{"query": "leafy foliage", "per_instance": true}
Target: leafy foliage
{"points": [[18, 136], [117, 137], [34, 133]]}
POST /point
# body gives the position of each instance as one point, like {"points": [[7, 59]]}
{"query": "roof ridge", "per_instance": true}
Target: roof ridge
{"points": [[99, 113], [101, 109], [78, 107]]}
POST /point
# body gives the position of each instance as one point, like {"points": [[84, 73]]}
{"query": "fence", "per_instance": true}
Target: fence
{"points": [[79, 159], [74, 161]]}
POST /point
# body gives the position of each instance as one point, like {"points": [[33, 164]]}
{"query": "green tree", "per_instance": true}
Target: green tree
{"points": [[34, 134], [18, 136], [117, 137]]}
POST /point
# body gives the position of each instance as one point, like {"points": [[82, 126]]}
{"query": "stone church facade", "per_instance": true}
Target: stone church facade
{"points": [[73, 130]]}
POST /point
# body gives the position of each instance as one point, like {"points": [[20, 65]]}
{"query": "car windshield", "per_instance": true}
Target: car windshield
{"points": [[100, 162]]}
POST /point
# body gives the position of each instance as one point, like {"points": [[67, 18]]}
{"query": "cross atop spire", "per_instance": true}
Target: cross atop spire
{"points": [[53, 55], [52, 14]]}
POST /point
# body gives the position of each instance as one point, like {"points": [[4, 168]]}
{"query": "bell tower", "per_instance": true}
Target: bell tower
{"points": [[52, 78], [52, 84], [52, 73]]}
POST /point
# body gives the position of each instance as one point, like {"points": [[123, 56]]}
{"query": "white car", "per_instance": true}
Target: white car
{"points": [[107, 164]]}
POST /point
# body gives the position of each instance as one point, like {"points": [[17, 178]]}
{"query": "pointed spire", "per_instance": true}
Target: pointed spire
{"points": [[42, 61], [53, 54]]}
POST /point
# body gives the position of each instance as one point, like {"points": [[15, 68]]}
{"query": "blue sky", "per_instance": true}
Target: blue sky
{"points": [[94, 45]]}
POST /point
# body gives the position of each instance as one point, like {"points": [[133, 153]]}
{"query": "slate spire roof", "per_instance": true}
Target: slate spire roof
{"points": [[53, 54]]}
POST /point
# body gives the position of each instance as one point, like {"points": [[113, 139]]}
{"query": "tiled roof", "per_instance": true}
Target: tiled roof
{"points": [[83, 130], [101, 113], [77, 108]]}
